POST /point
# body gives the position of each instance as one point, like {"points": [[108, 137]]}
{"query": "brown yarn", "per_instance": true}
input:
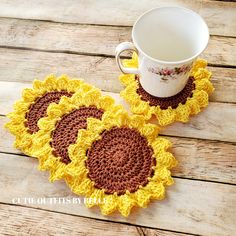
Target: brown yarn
{"points": [[172, 101], [67, 128], [38, 109], [121, 160]]}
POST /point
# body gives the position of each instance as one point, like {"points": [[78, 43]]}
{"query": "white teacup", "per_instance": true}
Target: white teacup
{"points": [[167, 40]]}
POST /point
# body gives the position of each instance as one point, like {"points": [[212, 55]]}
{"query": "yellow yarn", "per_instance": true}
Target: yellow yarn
{"points": [[80, 183], [42, 148], [23, 139], [193, 105]]}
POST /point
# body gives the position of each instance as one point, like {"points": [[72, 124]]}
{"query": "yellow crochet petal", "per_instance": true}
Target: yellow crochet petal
{"points": [[130, 94], [160, 145], [96, 198], [156, 189], [85, 187], [182, 113], [141, 108], [57, 172], [125, 204], [131, 63], [195, 108], [79, 171], [136, 121], [37, 84], [201, 97], [162, 174], [62, 82], [205, 85], [105, 102], [165, 117], [150, 131], [91, 97], [142, 197], [46, 124], [202, 73], [167, 159], [50, 82], [109, 205], [94, 126], [127, 79], [28, 95]]}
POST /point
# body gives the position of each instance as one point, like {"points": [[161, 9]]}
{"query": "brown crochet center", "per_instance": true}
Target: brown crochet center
{"points": [[172, 101], [67, 128], [38, 109], [121, 160]]}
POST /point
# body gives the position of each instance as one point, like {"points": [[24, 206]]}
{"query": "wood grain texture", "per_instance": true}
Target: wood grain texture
{"points": [[92, 39], [224, 81], [209, 124], [31, 49], [216, 122], [25, 66], [205, 208], [18, 220], [198, 159], [118, 12]]}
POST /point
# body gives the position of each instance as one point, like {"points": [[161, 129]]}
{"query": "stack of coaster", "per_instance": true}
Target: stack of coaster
{"points": [[106, 155], [188, 102], [34, 104]]}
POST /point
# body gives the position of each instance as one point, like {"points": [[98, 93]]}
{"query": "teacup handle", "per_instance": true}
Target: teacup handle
{"points": [[121, 48]]}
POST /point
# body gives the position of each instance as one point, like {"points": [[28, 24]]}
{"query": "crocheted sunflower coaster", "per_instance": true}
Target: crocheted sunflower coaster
{"points": [[60, 128], [188, 102], [33, 106], [119, 162]]}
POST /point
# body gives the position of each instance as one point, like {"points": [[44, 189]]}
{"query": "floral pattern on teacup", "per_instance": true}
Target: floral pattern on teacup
{"points": [[167, 73]]}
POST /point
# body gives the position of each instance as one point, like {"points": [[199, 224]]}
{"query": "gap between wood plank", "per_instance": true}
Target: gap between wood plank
{"points": [[93, 54], [181, 204], [174, 176], [97, 219], [206, 9], [90, 39], [175, 136], [207, 125], [75, 23], [90, 24], [99, 71]]}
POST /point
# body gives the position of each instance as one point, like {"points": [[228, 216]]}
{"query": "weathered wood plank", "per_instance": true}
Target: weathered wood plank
{"points": [[216, 122], [15, 220], [224, 81], [205, 208], [25, 66], [198, 159], [92, 39], [122, 12]]}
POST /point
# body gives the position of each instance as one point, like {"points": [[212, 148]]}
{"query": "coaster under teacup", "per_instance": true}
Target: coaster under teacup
{"points": [[179, 107], [33, 106]]}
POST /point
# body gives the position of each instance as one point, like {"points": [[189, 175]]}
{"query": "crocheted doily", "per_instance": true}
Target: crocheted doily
{"points": [[34, 104], [168, 110], [119, 162], [60, 128]]}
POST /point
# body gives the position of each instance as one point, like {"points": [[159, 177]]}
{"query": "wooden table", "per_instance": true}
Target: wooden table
{"points": [[79, 38]]}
